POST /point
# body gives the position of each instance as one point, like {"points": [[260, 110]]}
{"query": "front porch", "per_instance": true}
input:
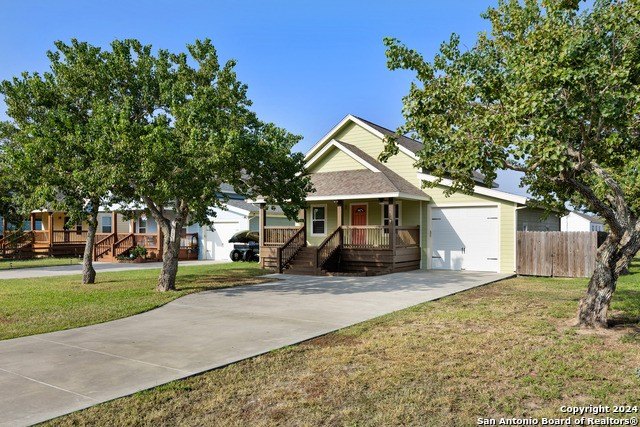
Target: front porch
{"points": [[50, 234], [376, 239]]}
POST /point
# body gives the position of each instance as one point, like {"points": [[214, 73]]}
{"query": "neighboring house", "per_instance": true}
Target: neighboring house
{"points": [[48, 233], [531, 219], [350, 225], [578, 221], [239, 216]]}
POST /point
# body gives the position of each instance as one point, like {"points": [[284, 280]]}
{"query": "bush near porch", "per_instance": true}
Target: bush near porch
{"points": [[506, 349]]}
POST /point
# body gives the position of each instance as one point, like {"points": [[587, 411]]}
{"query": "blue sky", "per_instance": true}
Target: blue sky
{"points": [[307, 64]]}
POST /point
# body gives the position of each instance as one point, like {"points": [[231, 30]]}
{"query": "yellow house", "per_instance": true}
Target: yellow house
{"points": [[349, 225]]}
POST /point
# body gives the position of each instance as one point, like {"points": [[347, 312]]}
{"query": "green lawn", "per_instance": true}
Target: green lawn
{"points": [[506, 349], [33, 306], [6, 264]]}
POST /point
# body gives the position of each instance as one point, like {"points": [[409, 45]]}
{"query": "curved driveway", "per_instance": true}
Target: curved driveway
{"points": [[48, 375]]}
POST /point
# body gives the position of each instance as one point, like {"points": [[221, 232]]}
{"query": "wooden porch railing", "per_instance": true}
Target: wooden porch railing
{"points": [[366, 236], [41, 236], [189, 240], [11, 243], [123, 245], [276, 236], [148, 241], [69, 236], [103, 246], [329, 246], [290, 248]]}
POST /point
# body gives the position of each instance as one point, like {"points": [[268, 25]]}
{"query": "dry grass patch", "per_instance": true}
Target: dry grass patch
{"points": [[501, 350]]}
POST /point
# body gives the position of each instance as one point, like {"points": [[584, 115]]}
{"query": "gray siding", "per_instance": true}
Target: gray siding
{"points": [[530, 219]]}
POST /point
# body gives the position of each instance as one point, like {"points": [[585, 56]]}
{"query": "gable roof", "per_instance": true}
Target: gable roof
{"points": [[376, 180], [407, 145], [402, 140], [588, 217]]}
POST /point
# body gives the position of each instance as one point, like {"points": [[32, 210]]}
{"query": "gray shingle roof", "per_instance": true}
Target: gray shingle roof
{"points": [[415, 146]]}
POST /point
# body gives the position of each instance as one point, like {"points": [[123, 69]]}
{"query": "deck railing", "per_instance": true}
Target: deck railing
{"points": [[69, 236], [148, 241], [328, 247], [277, 236], [353, 237], [103, 245], [189, 240], [290, 248], [123, 245], [365, 236], [41, 236]]}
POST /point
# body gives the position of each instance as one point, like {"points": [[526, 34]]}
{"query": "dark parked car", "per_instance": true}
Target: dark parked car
{"points": [[246, 246]]}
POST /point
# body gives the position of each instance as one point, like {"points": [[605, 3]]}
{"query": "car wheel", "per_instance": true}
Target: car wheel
{"points": [[235, 255]]}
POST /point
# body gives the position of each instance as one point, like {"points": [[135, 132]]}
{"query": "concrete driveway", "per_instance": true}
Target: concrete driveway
{"points": [[100, 267], [48, 375]]}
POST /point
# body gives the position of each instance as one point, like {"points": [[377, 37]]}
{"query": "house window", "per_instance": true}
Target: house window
{"points": [[318, 220], [79, 226], [142, 225], [385, 215], [106, 224], [38, 224]]}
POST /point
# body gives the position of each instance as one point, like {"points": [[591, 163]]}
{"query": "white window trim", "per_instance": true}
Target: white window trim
{"points": [[326, 214], [399, 203], [146, 225], [102, 224]]}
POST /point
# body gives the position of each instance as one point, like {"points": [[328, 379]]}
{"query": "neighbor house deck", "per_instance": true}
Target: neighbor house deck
{"points": [[108, 246]]}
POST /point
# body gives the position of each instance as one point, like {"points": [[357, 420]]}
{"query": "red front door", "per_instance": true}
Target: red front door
{"points": [[359, 217]]}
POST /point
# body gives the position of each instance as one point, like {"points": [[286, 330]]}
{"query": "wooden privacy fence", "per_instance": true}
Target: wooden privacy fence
{"points": [[556, 253]]}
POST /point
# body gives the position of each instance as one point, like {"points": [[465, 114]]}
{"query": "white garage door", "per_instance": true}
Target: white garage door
{"points": [[217, 244], [465, 238]]}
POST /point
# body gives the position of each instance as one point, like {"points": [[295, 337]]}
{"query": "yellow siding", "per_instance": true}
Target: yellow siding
{"points": [[507, 237], [335, 160], [403, 165], [361, 138]]}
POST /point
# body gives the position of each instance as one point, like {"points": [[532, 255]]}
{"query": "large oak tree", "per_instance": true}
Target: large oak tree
{"points": [[55, 142], [552, 91], [181, 126]]}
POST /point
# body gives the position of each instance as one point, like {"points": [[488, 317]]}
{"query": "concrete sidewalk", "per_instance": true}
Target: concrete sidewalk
{"points": [[100, 267], [48, 375]]}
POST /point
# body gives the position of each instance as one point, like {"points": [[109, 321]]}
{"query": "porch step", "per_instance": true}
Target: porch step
{"points": [[304, 262]]}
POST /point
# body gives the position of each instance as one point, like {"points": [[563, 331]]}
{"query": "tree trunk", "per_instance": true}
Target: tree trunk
{"points": [[592, 312], [593, 308], [171, 243], [88, 272]]}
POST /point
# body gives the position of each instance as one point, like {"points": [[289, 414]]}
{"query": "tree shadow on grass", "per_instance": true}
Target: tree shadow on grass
{"points": [[627, 308]]}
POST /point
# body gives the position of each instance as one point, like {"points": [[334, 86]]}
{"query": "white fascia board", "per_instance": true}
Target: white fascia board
{"points": [[368, 196], [496, 194], [235, 209], [345, 150], [360, 196]]}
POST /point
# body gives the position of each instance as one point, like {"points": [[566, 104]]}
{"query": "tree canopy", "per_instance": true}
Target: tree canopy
{"points": [[181, 126], [55, 141], [553, 92]]}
